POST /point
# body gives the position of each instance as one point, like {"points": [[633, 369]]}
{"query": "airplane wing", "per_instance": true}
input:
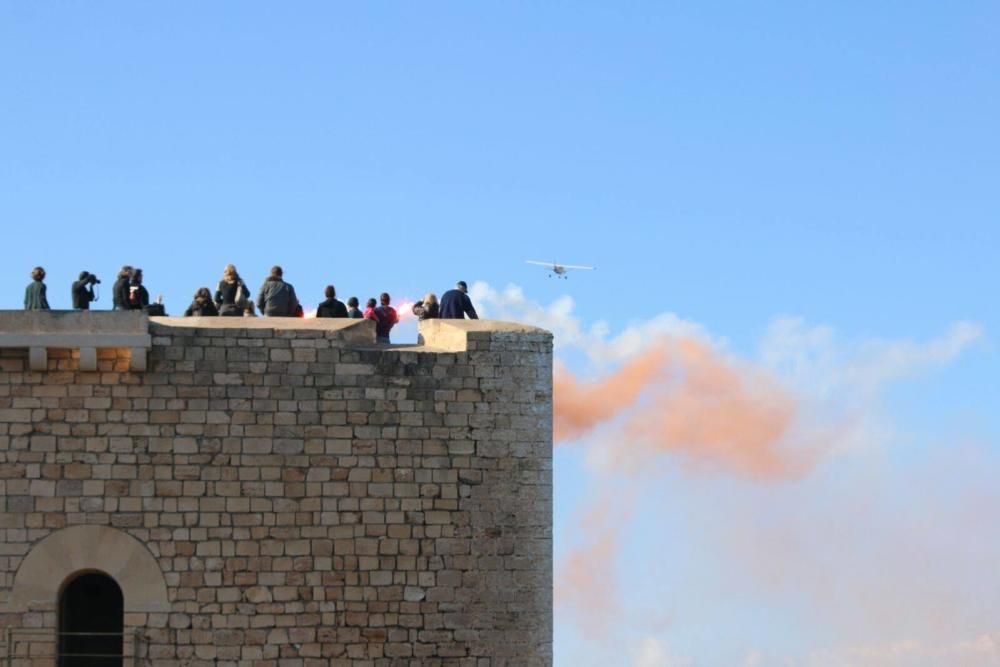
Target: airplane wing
{"points": [[570, 266], [531, 261]]}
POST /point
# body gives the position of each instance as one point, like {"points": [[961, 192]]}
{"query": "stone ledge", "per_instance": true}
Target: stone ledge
{"points": [[349, 331], [454, 335], [87, 331]]}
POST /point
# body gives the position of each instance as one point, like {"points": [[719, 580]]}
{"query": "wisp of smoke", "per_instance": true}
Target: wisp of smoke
{"points": [[681, 396]]}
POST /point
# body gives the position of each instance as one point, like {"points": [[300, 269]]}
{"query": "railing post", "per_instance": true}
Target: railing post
{"points": [[136, 647]]}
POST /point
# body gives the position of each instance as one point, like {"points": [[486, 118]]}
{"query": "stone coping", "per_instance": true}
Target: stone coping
{"points": [[84, 330], [74, 322], [91, 330], [276, 323], [454, 335]]}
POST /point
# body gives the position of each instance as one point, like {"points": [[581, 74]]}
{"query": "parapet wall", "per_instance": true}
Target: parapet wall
{"points": [[284, 492]]}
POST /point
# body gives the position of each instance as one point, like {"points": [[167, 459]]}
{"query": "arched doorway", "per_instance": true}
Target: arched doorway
{"points": [[91, 622]]}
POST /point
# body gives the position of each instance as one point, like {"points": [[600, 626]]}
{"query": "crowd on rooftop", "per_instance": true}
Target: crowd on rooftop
{"points": [[276, 298]]}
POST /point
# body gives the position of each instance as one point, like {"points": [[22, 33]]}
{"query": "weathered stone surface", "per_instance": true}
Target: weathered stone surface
{"points": [[303, 496]]}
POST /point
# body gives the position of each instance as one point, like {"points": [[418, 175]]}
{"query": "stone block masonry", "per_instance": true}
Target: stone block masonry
{"points": [[284, 493]]}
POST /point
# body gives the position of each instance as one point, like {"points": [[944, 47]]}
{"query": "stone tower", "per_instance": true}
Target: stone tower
{"points": [[223, 491]]}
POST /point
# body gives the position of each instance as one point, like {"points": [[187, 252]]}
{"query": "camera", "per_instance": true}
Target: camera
{"points": [[94, 280]]}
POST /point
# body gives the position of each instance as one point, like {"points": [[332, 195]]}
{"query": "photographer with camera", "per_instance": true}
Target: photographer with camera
{"points": [[83, 291]]}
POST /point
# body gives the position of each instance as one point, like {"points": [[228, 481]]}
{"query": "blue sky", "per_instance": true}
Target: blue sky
{"points": [[732, 163]]}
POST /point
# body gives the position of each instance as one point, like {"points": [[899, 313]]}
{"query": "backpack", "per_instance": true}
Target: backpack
{"points": [[279, 299], [242, 296]]}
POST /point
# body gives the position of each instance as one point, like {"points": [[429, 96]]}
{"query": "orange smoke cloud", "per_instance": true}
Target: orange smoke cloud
{"points": [[681, 396], [579, 407], [585, 585]]}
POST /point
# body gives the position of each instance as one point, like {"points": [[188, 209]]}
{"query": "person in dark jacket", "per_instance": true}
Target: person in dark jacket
{"points": [[386, 319], [232, 295], [120, 290], [277, 298], [427, 308], [83, 291], [138, 296], [456, 304], [353, 311], [34, 293], [331, 307], [202, 306]]}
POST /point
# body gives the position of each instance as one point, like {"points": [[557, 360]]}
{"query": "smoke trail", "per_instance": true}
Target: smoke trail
{"points": [[681, 396], [807, 408]]}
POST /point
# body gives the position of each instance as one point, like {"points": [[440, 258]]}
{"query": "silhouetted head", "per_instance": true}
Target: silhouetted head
{"points": [[84, 275], [38, 273], [430, 298], [137, 276], [276, 272], [202, 294], [461, 286], [384, 298], [330, 291], [372, 303], [353, 302], [125, 272]]}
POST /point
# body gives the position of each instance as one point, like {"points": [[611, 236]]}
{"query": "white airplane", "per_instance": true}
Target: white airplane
{"points": [[559, 270]]}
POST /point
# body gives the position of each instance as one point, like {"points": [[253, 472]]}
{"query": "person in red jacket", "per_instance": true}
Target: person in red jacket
{"points": [[387, 318]]}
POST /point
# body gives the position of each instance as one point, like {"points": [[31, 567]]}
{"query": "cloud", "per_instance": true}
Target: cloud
{"points": [[651, 652], [980, 651], [601, 348]]}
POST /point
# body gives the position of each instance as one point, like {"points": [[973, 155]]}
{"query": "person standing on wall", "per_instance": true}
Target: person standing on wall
{"points": [[232, 295], [277, 298], [456, 304], [331, 307], [34, 293], [120, 290], [353, 311], [83, 291], [387, 319]]}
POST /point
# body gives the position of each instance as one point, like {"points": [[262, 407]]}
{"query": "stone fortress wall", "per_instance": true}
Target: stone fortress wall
{"points": [[279, 491]]}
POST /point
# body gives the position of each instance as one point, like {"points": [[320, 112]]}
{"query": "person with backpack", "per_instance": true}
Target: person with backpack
{"points": [[120, 290], [34, 294], [138, 296], [232, 295], [276, 297], [202, 306]]}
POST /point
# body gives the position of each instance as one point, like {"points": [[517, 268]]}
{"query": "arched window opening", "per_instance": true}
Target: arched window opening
{"points": [[91, 622]]}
